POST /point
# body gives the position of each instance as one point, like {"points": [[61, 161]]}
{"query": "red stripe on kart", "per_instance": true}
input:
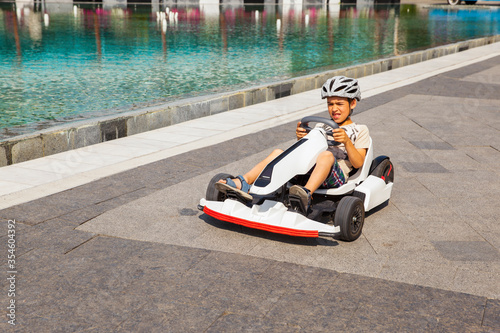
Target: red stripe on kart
{"points": [[388, 173], [261, 226]]}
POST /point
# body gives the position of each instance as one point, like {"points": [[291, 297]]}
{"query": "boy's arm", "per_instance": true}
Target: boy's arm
{"points": [[356, 156]]}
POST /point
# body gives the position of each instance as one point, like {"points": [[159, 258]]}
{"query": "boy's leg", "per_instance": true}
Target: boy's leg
{"points": [[321, 171], [252, 175]]}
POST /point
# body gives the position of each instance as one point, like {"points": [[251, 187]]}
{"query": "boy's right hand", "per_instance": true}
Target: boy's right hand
{"points": [[300, 132]]}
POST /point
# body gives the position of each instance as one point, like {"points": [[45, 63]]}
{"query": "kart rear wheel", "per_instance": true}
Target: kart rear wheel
{"points": [[212, 193], [454, 2], [384, 170], [350, 216]]}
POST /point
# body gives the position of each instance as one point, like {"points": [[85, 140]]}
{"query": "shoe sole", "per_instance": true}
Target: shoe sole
{"points": [[224, 188]]}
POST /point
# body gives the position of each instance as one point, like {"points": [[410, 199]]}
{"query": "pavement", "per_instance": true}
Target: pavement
{"points": [[108, 237]]}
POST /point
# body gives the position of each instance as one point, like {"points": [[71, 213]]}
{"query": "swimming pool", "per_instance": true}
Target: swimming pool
{"points": [[64, 62]]}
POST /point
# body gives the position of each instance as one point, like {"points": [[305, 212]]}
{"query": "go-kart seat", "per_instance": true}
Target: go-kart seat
{"points": [[354, 180]]}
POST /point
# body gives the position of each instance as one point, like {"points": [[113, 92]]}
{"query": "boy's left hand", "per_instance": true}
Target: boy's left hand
{"points": [[340, 135]]}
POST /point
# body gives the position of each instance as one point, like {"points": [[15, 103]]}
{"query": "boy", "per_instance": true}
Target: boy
{"points": [[333, 165]]}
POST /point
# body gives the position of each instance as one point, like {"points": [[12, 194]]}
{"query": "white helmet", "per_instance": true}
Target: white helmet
{"points": [[341, 86]]}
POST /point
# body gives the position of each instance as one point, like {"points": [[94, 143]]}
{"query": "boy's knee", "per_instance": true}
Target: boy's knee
{"points": [[276, 152], [326, 157]]}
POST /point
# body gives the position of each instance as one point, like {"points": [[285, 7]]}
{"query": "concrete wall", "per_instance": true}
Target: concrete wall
{"points": [[76, 135]]}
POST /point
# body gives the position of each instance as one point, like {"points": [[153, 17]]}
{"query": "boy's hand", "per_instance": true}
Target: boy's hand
{"points": [[340, 135], [300, 132]]}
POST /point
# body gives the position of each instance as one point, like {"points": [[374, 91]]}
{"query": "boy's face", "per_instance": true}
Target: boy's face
{"points": [[338, 108]]}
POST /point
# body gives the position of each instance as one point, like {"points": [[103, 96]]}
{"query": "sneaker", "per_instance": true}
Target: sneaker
{"points": [[304, 196]]}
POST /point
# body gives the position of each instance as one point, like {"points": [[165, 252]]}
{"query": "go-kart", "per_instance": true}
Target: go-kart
{"points": [[336, 212]]}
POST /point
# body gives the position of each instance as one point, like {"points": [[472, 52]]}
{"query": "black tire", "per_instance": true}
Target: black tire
{"points": [[384, 170], [454, 2], [350, 217], [212, 193], [470, 2]]}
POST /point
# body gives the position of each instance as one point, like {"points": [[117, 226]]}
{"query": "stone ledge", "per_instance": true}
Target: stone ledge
{"points": [[80, 134]]}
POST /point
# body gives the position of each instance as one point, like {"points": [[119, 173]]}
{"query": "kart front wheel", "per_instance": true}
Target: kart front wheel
{"points": [[212, 193], [350, 217], [453, 2]]}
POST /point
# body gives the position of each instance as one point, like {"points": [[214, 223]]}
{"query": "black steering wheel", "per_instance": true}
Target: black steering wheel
{"points": [[304, 123]]}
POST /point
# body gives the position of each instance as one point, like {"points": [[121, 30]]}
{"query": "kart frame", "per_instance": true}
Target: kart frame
{"points": [[337, 212]]}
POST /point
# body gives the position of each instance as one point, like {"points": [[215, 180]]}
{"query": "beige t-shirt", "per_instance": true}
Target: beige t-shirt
{"points": [[360, 137]]}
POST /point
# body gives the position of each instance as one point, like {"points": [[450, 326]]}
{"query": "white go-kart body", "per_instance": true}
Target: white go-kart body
{"points": [[273, 210]]}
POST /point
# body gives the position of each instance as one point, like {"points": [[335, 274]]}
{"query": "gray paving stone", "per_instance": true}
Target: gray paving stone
{"points": [[240, 296], [169, 316], [424, 301], [298, 277], [467, 251], [229, 321], [311, 313], [92, 309], [486, 156], [192, 317], [127, 197], [369, 319], [424, 167], [471, 184], [492, 314], [53, 235], [85, 214], [63, 203], [33, 212], [490, 76], [68, 200], [438, 145], [473, 278], [414, 268], [454, 161]]}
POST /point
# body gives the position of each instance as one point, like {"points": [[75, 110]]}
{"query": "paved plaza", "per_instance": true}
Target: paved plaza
{"points": [[109, 238]]}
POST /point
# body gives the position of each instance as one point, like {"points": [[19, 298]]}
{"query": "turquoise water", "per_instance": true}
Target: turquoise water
{"points": [[60, 62]]}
